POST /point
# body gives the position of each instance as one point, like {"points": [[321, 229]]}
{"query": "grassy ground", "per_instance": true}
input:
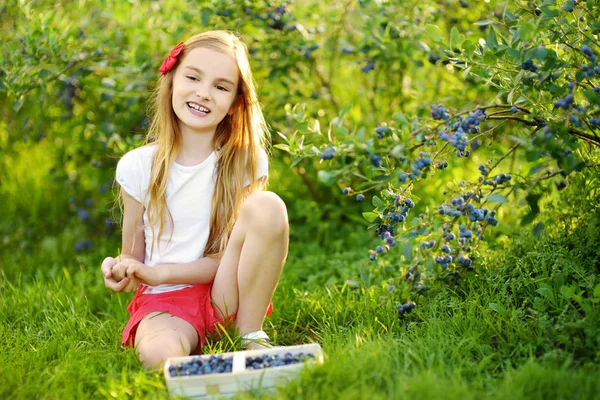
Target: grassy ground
{"points": [[528, 328]]}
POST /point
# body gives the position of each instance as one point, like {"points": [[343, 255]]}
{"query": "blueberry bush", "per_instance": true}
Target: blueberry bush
{"points": [[523, 122]]}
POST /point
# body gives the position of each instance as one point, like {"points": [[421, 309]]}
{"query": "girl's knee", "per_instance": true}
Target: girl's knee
{"points": [[266, 210], [153, 353]]}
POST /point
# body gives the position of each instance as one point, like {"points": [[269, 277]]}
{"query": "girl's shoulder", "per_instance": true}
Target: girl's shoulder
{"points": [[145, 152], [136, 161]]}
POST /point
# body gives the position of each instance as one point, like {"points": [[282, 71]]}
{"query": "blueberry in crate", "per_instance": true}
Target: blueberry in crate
{"points": [[216, 364], [276, 360]]}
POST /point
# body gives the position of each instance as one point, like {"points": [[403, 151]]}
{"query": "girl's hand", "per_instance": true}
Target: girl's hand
{"points": [[121, 285], [134, 269]]}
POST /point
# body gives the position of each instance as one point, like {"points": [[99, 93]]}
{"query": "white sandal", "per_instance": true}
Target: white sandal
{"points": [[259, 337]]}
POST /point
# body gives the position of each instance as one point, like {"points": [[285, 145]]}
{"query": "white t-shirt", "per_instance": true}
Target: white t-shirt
{"points": [[189, 198]]}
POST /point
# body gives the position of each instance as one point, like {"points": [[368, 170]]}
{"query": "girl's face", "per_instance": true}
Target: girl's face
{"points": [[206, 80]]}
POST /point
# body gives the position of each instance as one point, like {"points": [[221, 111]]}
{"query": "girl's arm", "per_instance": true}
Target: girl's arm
{"points": [[131, 228], [199, 271]]}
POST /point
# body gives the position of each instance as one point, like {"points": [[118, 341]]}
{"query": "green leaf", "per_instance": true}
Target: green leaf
{"points": [[404, 121], [434, 32], [568, 6], [491, 41], [597, 291], [497, 198], [546, 291], [370, 216], [456, 38], [407, 251], [206, 13], [537, 229], [498, 308], [567, 291], [484, 22], [537, 168], [538, 53], [377, 202], [532, 200], [282, 146], [18, 104], [327, 177]]}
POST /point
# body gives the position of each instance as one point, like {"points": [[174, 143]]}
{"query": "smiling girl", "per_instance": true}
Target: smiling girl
{"points": [[203, 243]]}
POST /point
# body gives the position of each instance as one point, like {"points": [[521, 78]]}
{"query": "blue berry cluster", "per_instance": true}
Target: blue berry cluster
{"points": [[456, 208], [277, 20], [442, 165], [529, 66], [309, 50], [461, 128], [405, 309], [370, 66], [588, 53], [497, 180], [444, 260], [434, 58], [376, 160], [483, 171], [420, 164], [447, 235], [595, 121], [464, 234], [490, 218], [590, 69], [564, 102], [412, 274], [406, 204], [574, 119], [328, 153], [463, 261], [428, 244], [514, 110], [382, 131], [439, 112], [267, 361], [214, 365]]}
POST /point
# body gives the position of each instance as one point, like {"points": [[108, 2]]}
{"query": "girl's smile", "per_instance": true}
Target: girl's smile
{"points": [[204, 89]]}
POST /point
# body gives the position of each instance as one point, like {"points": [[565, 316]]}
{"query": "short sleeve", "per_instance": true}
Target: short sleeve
{"points": [[263, 166], [128, 175]]}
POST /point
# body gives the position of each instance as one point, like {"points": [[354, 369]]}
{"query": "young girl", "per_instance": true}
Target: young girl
{"points": [[219, 255]]}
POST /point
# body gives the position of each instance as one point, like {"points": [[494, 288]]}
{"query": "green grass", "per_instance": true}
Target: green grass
{"points": [[512, 332]]}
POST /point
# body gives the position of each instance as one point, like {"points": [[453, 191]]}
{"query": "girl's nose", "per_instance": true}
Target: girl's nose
{"points": [[203, 93]]}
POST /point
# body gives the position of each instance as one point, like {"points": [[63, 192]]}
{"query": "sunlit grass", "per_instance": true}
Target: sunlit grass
{"points": [[491, 337]]}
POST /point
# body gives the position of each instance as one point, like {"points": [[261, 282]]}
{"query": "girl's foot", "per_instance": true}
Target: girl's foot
{"points": [[256, 341]]}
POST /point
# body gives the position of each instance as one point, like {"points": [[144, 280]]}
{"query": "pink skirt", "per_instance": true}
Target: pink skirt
{"points": [[190, 304]]}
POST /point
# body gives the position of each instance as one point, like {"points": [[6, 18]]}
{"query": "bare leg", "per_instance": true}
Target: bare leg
{"points": [[160, 336], [252, 262]]}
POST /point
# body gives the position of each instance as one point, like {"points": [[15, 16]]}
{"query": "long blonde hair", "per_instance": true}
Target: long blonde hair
{"points": [[238, 139]]}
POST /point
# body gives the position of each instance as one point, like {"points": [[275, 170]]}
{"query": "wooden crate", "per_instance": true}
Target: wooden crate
{"points": [[240, 379]]}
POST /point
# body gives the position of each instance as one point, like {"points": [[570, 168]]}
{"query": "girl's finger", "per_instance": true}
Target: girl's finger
{"points": [[122, 283], [130, 271]]}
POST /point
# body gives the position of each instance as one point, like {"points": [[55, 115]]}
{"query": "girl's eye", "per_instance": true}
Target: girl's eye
{"points": [[222, 88], [192, 78]]}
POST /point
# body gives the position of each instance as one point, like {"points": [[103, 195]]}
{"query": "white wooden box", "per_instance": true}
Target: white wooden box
{"points": [[240, 379]]}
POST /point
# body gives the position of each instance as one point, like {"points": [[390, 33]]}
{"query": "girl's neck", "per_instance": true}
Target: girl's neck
{"points": [[195, 147]]}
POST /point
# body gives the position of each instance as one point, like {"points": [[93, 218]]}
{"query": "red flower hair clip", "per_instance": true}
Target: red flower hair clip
{"points": [[171, 59]]}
